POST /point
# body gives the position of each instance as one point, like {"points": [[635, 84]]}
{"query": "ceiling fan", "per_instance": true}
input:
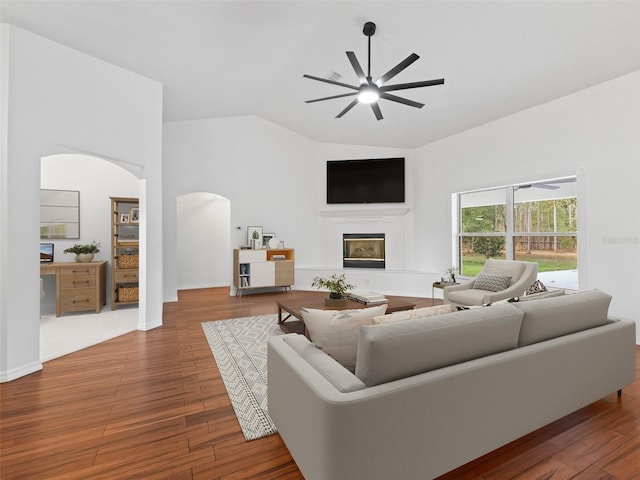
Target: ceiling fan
{"points": [[369, 91]]}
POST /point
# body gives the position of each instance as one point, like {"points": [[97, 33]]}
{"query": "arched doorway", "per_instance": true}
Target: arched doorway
{"points": [[95, 180]]}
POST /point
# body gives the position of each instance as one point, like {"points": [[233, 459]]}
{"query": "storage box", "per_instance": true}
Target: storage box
{"points": [[128, 294], [128, 261]]}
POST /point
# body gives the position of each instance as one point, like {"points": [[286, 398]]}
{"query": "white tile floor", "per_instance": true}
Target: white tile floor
{"points": [[74, 331]]}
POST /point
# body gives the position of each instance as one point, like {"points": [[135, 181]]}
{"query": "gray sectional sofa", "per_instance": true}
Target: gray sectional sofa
{"points": [[431, 394]]}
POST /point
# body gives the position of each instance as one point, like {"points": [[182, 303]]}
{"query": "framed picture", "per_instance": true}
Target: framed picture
{"points": [[134, 215], [46, 252], [124, 218], [254, 233], [266, 237]]}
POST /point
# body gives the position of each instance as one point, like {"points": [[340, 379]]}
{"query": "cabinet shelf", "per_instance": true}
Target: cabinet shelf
{"points": [[125, 245]]}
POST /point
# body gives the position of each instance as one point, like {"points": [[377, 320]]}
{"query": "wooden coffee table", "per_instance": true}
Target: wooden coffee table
{"points": [[290, 307]]}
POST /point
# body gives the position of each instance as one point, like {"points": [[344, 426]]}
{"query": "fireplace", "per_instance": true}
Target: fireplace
{"points": [[363, 250]]}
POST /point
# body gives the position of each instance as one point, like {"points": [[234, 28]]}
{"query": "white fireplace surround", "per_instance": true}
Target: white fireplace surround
{"points": [[396, 278]]}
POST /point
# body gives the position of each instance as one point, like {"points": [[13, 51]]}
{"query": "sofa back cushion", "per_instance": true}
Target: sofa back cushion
{"points": [[548, 318], [413, 313], [336, 331], [396, 350]]}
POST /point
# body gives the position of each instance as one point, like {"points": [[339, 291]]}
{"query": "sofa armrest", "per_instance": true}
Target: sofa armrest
{"points": [[455, 288]]}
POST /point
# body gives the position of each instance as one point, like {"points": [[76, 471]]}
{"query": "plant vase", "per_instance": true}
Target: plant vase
{"points": [[256, 245], [335, 300], [84, 257]]}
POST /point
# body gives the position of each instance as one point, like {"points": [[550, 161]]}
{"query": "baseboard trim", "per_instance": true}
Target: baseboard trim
{"points": [[24, 370]]}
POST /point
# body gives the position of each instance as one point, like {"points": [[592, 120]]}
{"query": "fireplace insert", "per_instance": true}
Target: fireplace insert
{"points": [[363, 250]]}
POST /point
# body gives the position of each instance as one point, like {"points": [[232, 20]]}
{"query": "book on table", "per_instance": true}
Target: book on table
{"points": [[367, 297]]}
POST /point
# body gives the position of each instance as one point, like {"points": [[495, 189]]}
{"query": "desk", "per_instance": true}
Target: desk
{"points": [[79, 286]]}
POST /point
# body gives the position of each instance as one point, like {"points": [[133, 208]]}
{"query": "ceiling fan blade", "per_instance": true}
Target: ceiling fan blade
{"points": [[356, 66], [394, 98], [349, 107], [332, 97], [404, 86], [376, 110], [326, 80], [397, 69]]}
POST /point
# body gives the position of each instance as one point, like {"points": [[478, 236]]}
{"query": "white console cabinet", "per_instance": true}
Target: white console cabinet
{"points": [[273, 267]]}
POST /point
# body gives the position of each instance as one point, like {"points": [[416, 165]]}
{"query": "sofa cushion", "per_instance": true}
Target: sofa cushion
{"points": [[535, 287], [553, 317], [340, 377], [538, 296], [413, 313], [396, 350], [336, 331], [490, 282]]}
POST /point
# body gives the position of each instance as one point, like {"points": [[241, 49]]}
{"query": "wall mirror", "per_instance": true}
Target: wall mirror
{"points": [[59, 214]]}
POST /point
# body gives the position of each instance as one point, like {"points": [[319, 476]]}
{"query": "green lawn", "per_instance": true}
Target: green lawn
{"points": [[547, 262]]}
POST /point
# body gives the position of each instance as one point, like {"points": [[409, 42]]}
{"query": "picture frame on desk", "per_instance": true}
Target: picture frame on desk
{"points": [[124, 218]]}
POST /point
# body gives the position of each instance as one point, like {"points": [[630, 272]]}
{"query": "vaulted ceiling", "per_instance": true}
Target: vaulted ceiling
{"points": [[227, 58]]}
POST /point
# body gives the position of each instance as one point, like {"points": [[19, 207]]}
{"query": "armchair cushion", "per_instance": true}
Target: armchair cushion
{"points": [[490, 282]]}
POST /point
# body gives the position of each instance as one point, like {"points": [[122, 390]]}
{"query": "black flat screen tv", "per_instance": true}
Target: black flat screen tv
{"points": [[376, 180]]}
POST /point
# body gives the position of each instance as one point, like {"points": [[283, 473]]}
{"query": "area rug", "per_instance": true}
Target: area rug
{"points": [[239, 346]]}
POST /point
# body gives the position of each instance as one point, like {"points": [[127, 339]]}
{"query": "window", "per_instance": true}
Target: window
{"points": [[533, 222]]}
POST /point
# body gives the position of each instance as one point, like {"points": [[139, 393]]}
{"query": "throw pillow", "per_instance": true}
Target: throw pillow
{"points": [[336, 331], [491, 283], [536, 287], [414, 313]]}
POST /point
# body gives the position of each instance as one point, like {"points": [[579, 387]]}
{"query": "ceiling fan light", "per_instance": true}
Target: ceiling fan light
{"points": [[368, 95]]}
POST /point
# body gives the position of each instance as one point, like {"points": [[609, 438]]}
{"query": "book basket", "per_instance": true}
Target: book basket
{"points": [[128, 294], [128, 261]]}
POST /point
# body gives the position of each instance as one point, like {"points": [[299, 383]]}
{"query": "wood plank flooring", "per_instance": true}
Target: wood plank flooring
{"points": [[152, 405]]}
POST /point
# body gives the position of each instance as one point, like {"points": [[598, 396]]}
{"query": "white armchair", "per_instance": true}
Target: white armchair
{"points": [[522, 275]]}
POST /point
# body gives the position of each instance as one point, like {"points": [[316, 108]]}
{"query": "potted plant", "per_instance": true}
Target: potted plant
{"points": [[84, 253], [337, 286], [452, 274]]}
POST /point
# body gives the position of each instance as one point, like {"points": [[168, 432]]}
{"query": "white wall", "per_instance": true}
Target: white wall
{"points": [[203, 241], [58, 100], [261, 168], [96, 180], [594, 133]]}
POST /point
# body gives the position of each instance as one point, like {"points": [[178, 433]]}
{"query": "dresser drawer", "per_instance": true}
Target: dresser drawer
{"points": [[126, 276], [78, 299], [78, 281]]}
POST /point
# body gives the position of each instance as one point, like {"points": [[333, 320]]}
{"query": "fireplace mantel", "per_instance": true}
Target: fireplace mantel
{"points": [[366, 212]]}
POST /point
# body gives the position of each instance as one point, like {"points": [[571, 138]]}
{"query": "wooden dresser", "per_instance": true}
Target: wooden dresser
{"points": [[79, 286]]}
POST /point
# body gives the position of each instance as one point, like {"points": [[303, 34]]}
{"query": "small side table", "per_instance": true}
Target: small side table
{"points": [[441, 286]]}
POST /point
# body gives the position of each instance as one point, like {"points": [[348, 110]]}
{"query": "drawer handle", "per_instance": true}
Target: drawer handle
{"points": [[84, 281], [86, 300], [80, 271], [129, 275]]}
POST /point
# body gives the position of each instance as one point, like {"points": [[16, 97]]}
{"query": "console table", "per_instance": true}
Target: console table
{"points": [[79, 286]]}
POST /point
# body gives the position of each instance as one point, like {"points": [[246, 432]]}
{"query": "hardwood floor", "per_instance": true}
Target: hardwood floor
{"points": [[152, 405]]}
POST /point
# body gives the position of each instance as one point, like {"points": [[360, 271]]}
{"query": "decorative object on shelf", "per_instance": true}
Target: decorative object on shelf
{"points": [[451, 272], [254, 237], [124, 218], [134, 215], [337, 286], [273, 243], [266, 239], [84, 253]]}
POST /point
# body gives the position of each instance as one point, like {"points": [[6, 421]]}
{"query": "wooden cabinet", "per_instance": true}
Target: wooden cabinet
{"points": [[272, 267], [125, 243], [79, 286]]}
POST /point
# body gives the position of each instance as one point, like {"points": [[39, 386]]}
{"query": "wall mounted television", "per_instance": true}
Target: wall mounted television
{"points": [[376, 180]]}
